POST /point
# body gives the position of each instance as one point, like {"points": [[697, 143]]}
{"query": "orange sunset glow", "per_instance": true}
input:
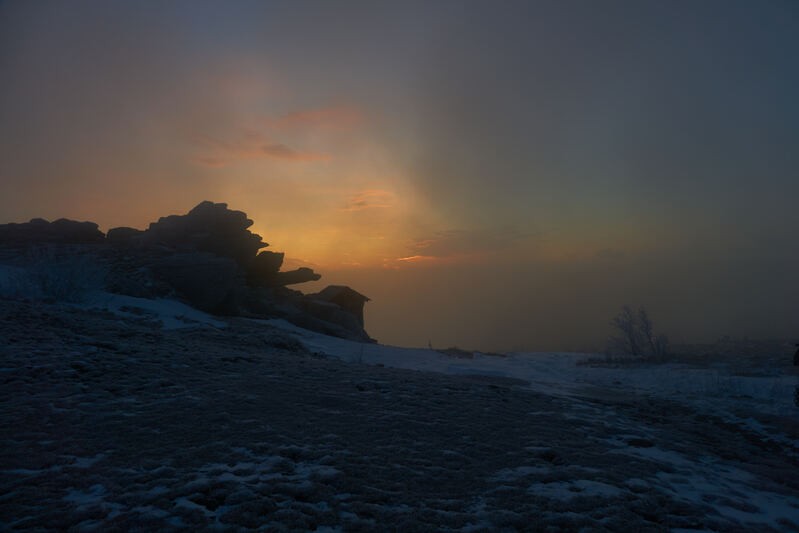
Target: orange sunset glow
{"points": [[439, 166]]}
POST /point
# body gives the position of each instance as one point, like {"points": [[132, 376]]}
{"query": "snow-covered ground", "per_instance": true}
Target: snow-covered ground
{"points": [[760, 401], [122, 413], [720, 385]]}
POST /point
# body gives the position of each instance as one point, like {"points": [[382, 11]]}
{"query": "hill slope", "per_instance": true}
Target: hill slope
{"points": [[115, 423]]}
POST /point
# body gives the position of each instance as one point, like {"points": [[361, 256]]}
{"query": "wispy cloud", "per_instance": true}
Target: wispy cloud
{"points": [[248, 145], [465, 242], [339, 118], [369, 199], [265, 138], [458, 246], [281, 151], [416, 258]]}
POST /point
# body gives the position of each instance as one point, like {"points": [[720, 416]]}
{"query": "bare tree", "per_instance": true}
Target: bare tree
{"points": [[637, 334], [645, 326], [626, 323]]}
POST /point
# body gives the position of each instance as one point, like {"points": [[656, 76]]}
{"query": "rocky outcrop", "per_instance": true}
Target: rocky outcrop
{"points": [[213, 228], [209, 227], [207, 257], [39, 231]]}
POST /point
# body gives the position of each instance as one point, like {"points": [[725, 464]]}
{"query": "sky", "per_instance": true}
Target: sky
{"points": [[492, 175]]}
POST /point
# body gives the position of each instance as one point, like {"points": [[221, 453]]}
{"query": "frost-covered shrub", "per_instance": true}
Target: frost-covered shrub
{"points": [[55, 275], [636, 336]]}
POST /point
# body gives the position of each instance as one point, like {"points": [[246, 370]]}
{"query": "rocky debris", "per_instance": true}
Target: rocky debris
{"points": [[207, 257], [40, 231]]}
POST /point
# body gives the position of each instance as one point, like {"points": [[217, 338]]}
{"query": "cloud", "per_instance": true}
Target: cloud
{"points": [[339, 118], [262, 139], [281, 151], [463, 242], [416, 258], [369, 199], [459, 246], [248, 145]]}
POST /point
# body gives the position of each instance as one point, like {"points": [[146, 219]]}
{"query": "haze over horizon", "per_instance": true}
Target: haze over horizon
{"points": [[492, 178]]}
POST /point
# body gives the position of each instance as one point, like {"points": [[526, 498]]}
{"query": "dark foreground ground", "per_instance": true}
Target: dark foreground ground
{"points": [[118, 425]]}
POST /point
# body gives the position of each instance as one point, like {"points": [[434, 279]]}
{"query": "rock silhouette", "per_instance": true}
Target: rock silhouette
{"points": [[40, 231], [206, 281], [209, 227], [208, 258], [344, 297]]}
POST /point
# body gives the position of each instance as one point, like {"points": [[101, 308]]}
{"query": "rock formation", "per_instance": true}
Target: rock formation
{"points": [[215, 229], [345, 298], [209, 227], [209, 258]]}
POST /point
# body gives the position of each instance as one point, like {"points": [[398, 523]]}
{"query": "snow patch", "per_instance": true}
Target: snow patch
{"points": [[171, 313]]}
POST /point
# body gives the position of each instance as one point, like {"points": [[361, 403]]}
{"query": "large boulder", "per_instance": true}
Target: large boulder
{"points": [[345, 298]]}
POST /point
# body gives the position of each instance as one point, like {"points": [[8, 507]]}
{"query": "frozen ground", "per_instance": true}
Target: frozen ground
{"points": [[155, 418]]}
